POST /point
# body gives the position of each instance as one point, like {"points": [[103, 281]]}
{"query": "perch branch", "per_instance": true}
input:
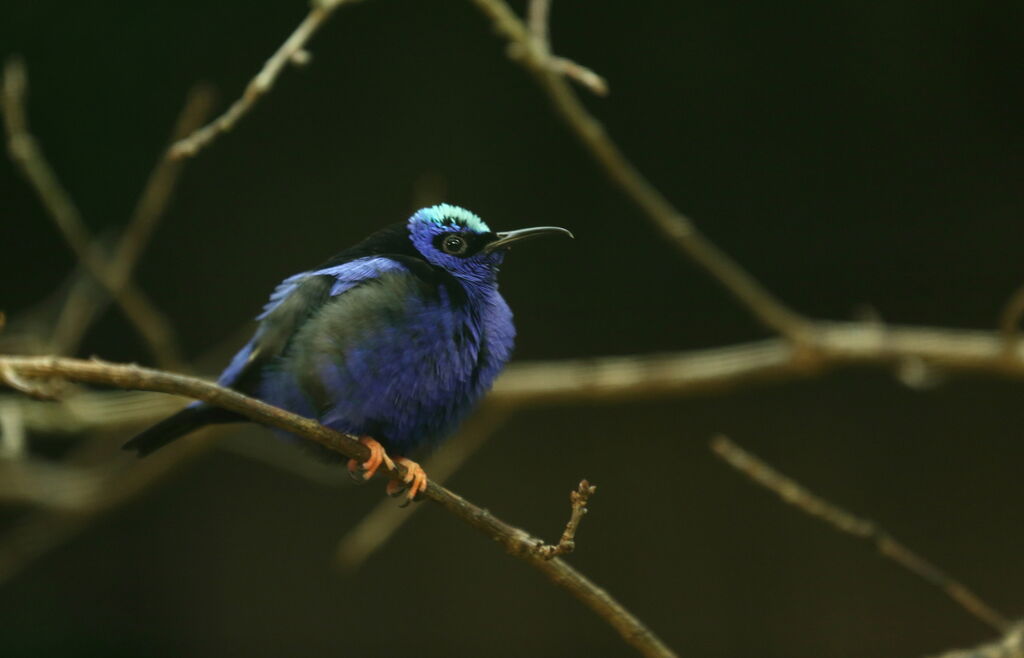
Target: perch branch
{"points": [[578, 499], [517, 542], [83, 304], [292, 51], [813, 505], [384, 520], [28, 156], [674, 224]]}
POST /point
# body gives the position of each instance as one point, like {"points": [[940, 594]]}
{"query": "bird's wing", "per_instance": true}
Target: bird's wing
{"points": [[293, 302]]}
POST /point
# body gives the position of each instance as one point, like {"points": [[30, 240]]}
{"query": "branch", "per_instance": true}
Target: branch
{"points": [[813, 505], [28, 156], [517, 542], [675, 225], [292, 51], [537, 13], [833, 346], [83, 303], [578, 498], [829, 345], [384, 520]]}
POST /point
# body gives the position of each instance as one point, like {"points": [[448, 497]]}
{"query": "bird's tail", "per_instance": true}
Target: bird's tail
{"points": [[190, 418]]}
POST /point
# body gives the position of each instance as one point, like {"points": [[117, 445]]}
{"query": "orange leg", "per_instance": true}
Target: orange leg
{"points": [[415, 480], [370, 466]]}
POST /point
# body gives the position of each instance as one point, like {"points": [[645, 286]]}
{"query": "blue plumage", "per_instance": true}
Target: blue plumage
{"points": [[396, 338]]}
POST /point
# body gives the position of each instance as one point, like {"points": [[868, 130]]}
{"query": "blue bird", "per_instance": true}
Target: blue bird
{"points": [[394, 340]]}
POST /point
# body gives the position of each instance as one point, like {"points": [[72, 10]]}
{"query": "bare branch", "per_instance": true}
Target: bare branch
{"points": [[292, 51], [35, 389], [26, 153], [676, 226], [578, 498], [835, 345], [537, 16], [813, 505], [83, 303], [516, 541]]}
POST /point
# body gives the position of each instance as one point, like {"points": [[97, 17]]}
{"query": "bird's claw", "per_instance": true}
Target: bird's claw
{"points": [[367, 469], [413, 484]]}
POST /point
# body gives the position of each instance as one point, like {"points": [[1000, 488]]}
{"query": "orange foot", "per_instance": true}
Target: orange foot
{"points": [[415, 480], [370, 466]]}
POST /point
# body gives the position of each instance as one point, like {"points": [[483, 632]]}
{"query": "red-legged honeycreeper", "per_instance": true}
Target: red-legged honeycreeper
{"points": [[393, 340]]}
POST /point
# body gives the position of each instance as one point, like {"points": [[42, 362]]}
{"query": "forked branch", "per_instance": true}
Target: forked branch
{"points": [[516, 541], [530, 52], [28, 156], [291, 52]]}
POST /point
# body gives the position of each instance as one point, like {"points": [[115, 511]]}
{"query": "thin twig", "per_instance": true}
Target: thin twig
{"points": [[27, 154], [83, 304], [292, 51], [581, 74], [813, 505], [516, 541], [679, 228], [537, 17], [1009, 320], [578, 499], [384, 520]]}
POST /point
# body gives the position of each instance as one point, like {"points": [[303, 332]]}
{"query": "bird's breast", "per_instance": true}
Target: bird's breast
{"points": [[405, 370]]}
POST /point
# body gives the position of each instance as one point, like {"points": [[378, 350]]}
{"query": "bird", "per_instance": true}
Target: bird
{"points": [[393, 340]]}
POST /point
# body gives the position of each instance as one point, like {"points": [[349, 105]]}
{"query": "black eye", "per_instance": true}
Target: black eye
{"points": [[454, 244]]}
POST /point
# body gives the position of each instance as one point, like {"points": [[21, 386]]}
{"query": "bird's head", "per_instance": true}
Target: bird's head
{"points": [[459, 241]]}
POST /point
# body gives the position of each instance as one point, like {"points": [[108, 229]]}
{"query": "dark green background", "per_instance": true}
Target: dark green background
{"points": [[848, 153]]}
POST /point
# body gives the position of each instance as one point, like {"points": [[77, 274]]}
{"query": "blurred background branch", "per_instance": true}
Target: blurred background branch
{"points": [[85, 301], [25, 151], [813, 505], [676, 226], [292, 52]]}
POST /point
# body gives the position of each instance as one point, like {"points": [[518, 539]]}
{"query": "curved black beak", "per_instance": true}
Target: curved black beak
{"points": [[505, 238]]}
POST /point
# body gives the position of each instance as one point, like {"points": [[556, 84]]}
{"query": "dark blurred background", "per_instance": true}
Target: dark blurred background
{"points": [[848, 153]]}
